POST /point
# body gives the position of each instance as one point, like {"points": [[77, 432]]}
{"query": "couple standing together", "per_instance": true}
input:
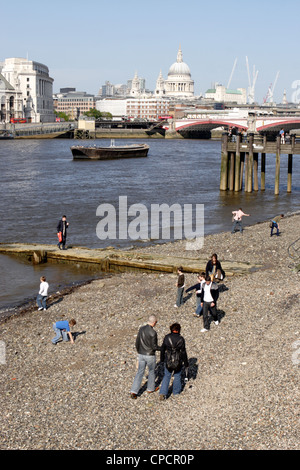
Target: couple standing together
{"points": [[172, 354]]}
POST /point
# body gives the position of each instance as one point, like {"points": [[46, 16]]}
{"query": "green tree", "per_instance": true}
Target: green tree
{"points": [[62, 115], [97, 114]]}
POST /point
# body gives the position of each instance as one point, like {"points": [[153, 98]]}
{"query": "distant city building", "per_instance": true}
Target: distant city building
{"points": [[136, 86], [36, 86], [221, 94], [116, 107], [179, 83], [147, 108], [73, 103], [135, 108], [66, 90], [11, 101]]}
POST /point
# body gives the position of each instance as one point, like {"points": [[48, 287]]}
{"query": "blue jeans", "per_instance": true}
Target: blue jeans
{"points": [[179, 300], [199, 309], [237, 223], [274, 225], [177, 387], [59, 334], [41, 301], [144, 361]]}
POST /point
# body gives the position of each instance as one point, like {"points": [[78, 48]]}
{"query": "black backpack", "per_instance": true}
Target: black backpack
{"points": [[173, 356]]}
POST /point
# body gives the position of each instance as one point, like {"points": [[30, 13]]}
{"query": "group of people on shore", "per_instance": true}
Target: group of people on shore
{"points": [[173, 353], [207, 291]]}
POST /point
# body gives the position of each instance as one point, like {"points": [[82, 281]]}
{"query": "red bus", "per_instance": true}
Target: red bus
{"points": [[165, 118], [18, 120]]}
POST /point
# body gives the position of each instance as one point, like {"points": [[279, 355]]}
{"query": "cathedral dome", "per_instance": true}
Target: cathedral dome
{"points": [[179, 67], [179, 83]]}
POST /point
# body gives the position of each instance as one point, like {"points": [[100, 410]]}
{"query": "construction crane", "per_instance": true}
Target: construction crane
{"points": [[232, 72], [270, 93], [252, 83]]}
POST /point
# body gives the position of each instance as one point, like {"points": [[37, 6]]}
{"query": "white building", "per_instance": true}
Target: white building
{"points": [[33, 81], [11, 102], [135, 108], [116, 107], [221, 94], [179, 83]]}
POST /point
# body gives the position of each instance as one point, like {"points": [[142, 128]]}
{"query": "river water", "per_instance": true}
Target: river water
{"points": [[39, 182]]}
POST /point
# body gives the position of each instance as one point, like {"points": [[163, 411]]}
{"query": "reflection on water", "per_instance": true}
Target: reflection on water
{"points": [[39, 182]]}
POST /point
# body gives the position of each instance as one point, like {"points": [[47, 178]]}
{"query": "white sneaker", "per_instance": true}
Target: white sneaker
{"points": [[41, 308], [216, 322], [176, 306], [45, 309], [203, 330]]}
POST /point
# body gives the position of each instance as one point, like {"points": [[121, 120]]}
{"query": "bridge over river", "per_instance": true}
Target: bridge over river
{"points": [[251, 122]]}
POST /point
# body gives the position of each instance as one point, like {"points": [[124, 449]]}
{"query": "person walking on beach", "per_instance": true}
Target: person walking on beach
{"points": [[63, 330], [146, 346], [43, 294], [62, 232], [180, 287], [275, 224], [198, 288], [209, 297], [173, 355], [237, 219]]}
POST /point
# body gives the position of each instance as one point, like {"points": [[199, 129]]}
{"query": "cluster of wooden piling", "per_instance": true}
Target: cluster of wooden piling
{"points": [[239, 161]]}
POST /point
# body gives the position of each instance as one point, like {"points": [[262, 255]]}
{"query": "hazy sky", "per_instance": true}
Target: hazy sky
{"points": [[87, 42]]}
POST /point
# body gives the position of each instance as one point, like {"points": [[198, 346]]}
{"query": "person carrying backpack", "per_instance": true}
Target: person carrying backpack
{"points": [[173, 355]]}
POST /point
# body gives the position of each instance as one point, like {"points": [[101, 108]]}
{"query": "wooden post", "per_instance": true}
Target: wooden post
{"points": [[242, 170], [250, 164], [255, 171], [231, 172], [224, 163], [263, 172], [237, 163], [290, 171], [277, 169], [246, 171], [293, 141]]}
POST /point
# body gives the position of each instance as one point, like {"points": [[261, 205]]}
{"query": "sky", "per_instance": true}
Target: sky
{"points": [[86, 42]]}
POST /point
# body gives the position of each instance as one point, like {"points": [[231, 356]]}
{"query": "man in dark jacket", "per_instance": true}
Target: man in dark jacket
{"points": [[62, 229], [209, 297], [146, 345], [173, 344]]}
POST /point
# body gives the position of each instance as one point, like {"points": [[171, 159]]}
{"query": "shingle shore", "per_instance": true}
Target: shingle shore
{"points": [[244, 387]]}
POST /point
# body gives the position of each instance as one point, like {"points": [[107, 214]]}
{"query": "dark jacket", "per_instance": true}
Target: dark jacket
{"points": [[209, 267], [178, 343], [180, 280], [196, 287], [214, 290], [146, 341], [62, 226]]}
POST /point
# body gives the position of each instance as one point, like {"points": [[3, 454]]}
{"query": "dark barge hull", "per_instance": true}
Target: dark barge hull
{"points": [[109, 153]]}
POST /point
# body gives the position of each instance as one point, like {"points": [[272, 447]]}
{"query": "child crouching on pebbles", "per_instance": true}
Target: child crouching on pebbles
{"points": [[62, 329]]}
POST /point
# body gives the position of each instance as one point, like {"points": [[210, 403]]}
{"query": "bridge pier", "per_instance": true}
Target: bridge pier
{"points": [[240, 159]]}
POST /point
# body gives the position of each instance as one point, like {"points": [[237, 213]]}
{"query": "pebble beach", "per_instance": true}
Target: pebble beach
{"points": [[243, 388]]}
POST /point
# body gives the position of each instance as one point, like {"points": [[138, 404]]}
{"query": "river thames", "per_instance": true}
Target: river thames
{"points": [[40, 182]]}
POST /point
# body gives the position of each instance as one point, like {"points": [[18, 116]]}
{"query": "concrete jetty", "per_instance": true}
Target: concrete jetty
{"points": [[111, 260]]}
